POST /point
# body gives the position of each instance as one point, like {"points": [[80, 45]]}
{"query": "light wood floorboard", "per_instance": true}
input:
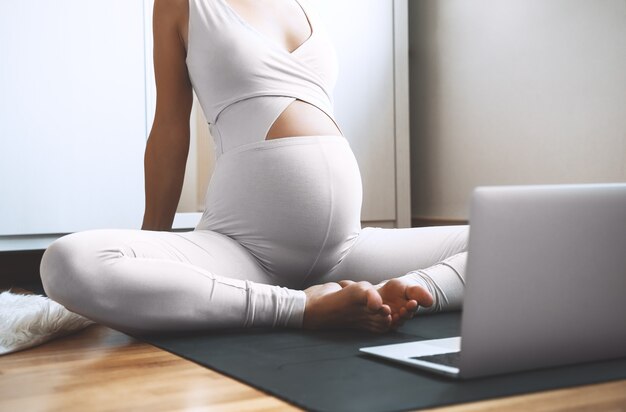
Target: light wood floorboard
{"points": [[100, 369]]}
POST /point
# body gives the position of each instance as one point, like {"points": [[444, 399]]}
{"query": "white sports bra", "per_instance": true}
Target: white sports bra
{"points": [[244, 80]]}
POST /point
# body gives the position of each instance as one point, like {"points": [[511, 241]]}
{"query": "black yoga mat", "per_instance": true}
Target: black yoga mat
{"points": [[324, 371]]}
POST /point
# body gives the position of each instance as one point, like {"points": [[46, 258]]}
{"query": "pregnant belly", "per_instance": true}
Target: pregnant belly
{"points": [[302, 119]]}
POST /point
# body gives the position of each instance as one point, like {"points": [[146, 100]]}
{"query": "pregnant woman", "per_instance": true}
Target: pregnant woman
{"points": [[280, 242]]}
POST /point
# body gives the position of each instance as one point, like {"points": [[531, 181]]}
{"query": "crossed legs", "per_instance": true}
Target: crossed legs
{"points": [[141, 281]]}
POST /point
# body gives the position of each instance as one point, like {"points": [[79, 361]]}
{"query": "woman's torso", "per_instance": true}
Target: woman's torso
{"points": [[282, 38]]}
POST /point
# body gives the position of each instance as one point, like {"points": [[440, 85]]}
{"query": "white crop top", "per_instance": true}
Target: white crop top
{"points": [[244, 80]]}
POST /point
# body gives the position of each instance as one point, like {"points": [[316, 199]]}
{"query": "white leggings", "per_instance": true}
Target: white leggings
{"points": [[281, 215]]}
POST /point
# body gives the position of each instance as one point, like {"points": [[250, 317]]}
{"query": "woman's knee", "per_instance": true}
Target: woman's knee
{"points": [[69, 267]]}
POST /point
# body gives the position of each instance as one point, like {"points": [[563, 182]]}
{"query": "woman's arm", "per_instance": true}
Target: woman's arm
{"points": [[168, 144]]}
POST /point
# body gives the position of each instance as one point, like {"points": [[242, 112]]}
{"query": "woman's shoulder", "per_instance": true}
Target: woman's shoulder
{"points": [[172, 5], [171, 11]]}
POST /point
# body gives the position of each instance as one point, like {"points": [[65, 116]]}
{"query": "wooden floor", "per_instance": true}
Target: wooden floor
{"points": [[100, 369]]}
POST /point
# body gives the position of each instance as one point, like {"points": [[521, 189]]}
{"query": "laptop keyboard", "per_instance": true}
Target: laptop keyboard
{"points": [[448, 359]]}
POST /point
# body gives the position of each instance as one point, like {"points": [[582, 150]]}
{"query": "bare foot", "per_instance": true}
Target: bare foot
{"points": [[403, 298], [358, 306]]}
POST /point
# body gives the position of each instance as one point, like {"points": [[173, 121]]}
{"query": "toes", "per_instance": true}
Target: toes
{"points": [[380, 325], [384, 310], [374, 301], [408, 310], [344, 283], [419, 294]]}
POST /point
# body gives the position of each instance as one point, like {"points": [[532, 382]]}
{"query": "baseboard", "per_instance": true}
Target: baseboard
{"points": [[20, 268], [387, 224], [436, 221]]}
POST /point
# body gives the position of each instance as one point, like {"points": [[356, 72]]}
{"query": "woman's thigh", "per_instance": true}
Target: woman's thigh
{"points": [[135, 279], [210, 251], [379, 254]]}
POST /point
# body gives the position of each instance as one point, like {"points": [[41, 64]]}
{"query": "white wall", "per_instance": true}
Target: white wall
{"points": [[72, 115], [514, 92]]}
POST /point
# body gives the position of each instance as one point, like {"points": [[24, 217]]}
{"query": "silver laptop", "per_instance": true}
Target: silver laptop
{"points": [[545, 283]]}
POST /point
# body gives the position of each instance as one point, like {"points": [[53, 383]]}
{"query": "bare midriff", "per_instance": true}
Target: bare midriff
{"points": [[302, 119]]}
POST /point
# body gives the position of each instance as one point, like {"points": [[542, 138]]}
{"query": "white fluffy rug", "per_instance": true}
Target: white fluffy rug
{"points": [[30, 320]]}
